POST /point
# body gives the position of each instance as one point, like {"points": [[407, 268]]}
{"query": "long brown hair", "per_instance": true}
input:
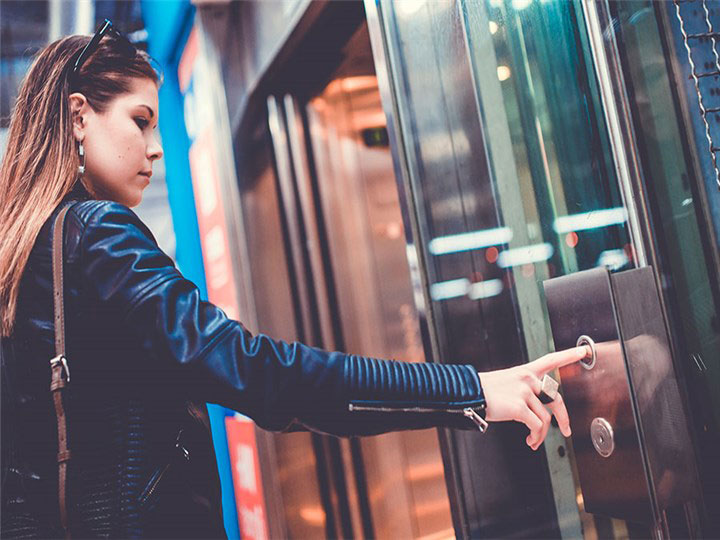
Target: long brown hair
{"points": [[41, 158]]}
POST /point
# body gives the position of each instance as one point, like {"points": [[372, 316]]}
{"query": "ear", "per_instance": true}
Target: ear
{"points": [[79, 109]]}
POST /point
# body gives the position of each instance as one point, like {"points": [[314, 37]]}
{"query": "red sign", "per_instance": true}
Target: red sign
{"points": [[211, 222], [246, 477], [221, 292], [187, 60]]}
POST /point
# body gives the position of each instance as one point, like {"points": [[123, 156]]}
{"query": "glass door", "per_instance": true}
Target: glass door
{"points": [[511, 176], [552, 169], [297, 485], [358, 193]]}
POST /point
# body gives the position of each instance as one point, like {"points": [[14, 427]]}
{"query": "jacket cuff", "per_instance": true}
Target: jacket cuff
{"points": [[415, 395]]}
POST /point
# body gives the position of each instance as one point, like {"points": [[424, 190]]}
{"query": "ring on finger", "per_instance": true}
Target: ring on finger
{"points": [[548, 390]]}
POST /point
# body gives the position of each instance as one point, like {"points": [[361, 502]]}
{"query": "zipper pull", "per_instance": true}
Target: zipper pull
{"points": [[473, 415], [152, 485], [180, 447]]}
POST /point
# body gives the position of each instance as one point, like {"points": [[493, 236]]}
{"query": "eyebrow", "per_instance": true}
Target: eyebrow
{"points": [[152, 113]]}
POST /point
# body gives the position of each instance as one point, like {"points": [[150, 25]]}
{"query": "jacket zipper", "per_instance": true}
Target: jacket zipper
{"points": [[469, 412], [160, 472], [154, 481]]}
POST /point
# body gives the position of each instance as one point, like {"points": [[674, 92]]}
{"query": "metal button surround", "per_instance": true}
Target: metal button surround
{"points": [[603, 439], [585, 362]]}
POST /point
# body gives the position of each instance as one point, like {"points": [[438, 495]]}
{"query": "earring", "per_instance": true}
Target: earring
{"points": [[81, 152]]}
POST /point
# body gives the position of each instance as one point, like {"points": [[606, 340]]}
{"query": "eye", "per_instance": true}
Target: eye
{"points": [[141, 122]]}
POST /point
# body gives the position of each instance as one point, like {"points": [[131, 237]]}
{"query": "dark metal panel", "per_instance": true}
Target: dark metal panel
{"points": [[630, 432], [660, 410], [582, 304]]}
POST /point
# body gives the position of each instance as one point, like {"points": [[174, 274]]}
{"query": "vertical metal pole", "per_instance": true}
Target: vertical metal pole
{"points": [[84, 17], [67, 17], [626, 165]]}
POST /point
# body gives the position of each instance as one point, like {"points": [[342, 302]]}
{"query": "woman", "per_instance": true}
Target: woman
{"points": [[143, 348]]}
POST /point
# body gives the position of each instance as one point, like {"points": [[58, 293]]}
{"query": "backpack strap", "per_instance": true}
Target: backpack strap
{"points": [[58, 365]]}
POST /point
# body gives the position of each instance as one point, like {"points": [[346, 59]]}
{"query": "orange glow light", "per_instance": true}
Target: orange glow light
{"points": [[629, 251], [313, 514], [571, 239], [491, 255]]}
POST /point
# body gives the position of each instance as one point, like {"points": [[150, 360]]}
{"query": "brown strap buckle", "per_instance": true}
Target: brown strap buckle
{"points": [[61, 360], [60, 364]]}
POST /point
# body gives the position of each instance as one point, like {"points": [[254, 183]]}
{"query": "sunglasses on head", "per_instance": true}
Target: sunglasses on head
{"points": [[106, 28]]}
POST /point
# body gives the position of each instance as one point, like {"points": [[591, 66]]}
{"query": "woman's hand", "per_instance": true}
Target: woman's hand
{"points": [[512, 394]]}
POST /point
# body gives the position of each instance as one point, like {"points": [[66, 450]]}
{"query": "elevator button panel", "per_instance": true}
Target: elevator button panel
{"points": [[629, 429]]}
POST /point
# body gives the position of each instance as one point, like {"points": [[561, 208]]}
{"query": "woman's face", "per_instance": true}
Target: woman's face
{"points": [[120, 143]]}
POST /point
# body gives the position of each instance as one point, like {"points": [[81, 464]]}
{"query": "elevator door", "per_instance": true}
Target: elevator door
{"points": [[293, 466], [366, 240], [355, 242], [514, 179]]}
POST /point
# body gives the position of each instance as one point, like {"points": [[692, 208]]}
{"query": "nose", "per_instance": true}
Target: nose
{"points": [[154, 150]]}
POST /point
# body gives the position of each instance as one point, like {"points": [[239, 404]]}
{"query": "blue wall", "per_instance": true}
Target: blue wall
{"points": [[168, 25]]}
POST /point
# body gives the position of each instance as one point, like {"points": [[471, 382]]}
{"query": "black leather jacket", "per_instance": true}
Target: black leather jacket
{"points": [[144, 349]]}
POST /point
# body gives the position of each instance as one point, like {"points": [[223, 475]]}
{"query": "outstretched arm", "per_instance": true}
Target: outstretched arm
{"points": [[276, 383]]}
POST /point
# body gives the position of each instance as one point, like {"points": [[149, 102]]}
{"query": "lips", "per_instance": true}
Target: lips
{"points": [[148, 174]]}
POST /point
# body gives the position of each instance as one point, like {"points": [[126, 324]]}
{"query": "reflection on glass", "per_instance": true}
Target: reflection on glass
{"points": [[565, 175], [549, 147]]}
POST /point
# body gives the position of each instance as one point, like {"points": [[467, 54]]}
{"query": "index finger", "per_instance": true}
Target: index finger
{"points": [[552, 361]]}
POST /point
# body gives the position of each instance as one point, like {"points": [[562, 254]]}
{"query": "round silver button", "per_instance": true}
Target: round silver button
{"points": [[587, 363], [601, 433]]}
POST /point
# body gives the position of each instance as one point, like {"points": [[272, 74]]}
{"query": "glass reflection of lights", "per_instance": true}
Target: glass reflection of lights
{"points": [[485, 289], [313, 514], [355, 83], [571, 239], [457, 288], [408, 7], [503, 73], [493, 27], [613, 259], [525, 255], [521, 4], [590, 220], [449, 289], [471, 240]]}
